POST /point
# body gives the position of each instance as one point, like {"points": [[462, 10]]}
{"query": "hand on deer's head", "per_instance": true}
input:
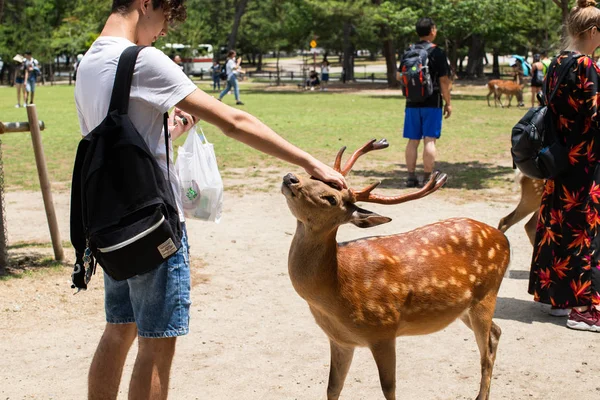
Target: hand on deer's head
{"points": [[322, 207]]}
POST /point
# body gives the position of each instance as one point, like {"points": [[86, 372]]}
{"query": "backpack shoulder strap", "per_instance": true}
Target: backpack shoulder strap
{"points": [[564, 70], [119, 99]]}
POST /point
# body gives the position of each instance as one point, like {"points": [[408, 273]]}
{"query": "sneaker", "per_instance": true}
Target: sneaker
{"points": [[17, 105], [559, 312], [239, 103], [412, 182], [588, 320]]}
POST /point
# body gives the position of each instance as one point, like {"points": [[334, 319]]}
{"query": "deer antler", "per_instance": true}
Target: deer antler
{"points": [[435, 182], [369, 146]]}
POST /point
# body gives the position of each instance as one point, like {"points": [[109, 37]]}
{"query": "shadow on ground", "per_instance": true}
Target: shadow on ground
{"points": [[23, 259], [526, 311], [470, 175]]}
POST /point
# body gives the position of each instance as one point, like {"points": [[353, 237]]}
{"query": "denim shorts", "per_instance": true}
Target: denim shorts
{"points": [[157, 301], [422, 121], [30, 85]]}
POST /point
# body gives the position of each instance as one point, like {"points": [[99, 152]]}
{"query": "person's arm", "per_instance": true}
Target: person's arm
{"points": [[247, 129], [445, 84]]}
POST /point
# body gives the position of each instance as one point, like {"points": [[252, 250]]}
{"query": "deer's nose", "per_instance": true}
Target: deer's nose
{"points": [[290, 179]]}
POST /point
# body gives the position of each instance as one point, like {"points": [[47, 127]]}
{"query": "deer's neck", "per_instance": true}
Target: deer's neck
{"points": [[313, 261]]}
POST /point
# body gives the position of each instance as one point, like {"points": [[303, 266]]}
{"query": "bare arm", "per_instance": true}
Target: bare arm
{"points": [[445, 84], [247, 129]]}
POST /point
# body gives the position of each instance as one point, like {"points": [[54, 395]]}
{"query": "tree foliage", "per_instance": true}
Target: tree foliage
{"points": [[50, 28]]}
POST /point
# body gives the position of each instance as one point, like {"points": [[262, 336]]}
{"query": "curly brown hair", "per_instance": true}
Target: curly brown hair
{"points": [[174, 9]]}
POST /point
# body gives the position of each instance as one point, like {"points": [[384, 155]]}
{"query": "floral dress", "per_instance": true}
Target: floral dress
{"points": [[565, 270]]}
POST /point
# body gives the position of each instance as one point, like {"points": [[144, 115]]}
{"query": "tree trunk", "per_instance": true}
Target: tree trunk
{"points": [[453, 55], [259, 64], [348, 65], [476, 53], [240, 9], [496, 64], [564, 6], [390, 63], [278, 72]]}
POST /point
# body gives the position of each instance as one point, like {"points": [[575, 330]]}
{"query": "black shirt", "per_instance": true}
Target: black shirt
{"points": [[438, 66]]}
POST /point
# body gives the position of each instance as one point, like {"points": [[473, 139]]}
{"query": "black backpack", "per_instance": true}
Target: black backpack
{"points": [[535, 149], [123, 211], [416, 77]]}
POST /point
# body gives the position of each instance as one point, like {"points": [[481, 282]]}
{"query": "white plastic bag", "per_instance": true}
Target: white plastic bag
{"points": [[201, 183]]}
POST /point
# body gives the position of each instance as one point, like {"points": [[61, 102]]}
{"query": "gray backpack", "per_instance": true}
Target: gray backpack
{"points": [[416, 77]]}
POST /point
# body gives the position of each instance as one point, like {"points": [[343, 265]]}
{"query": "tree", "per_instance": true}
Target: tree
{"points": [[240, 8]]}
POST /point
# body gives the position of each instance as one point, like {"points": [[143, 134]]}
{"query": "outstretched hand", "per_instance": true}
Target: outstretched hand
{"points": [[327, 174], [180, 122]]}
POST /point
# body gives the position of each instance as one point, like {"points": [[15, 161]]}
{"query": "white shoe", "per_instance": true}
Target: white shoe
{"points": [[559, 312], [17, 105]]}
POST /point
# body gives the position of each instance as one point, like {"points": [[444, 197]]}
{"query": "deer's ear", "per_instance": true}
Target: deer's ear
{"points": [[366, 219]]}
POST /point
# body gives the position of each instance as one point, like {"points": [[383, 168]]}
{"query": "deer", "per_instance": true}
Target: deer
{"points": [[498, 87], [367, 292], [531, 197]]}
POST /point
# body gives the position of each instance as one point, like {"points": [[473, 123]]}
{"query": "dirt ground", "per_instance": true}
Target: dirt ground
{"points": [[252, 336]]}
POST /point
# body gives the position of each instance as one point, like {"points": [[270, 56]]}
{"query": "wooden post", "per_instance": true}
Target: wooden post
{"points": [[40, 161], [9, 127]]}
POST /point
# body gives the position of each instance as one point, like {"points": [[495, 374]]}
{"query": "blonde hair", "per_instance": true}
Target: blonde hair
{"points": [[583, 17]]}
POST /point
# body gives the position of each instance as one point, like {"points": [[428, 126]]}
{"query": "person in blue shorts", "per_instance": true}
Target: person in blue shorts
{"points": [[423, 119], [31, 72]]}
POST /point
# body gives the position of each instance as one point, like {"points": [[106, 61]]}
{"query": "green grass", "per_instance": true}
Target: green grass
{"points": [[474, 148]]}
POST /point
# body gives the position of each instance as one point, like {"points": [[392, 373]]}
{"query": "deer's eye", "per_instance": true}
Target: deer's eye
{"points": [[331, 199]]}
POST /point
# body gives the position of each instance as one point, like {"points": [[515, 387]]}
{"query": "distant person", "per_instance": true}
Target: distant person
{"points": [[76, 66], [546, 61], [537, 78], [20, 82], [177, 60], [517, 71], [313, 80], [231, 68], [31, 72], [565, 271], [215, 71], [423, 117], [324, 74]]}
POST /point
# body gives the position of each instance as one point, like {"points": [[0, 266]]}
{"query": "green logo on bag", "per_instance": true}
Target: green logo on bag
{"points": [[191, 194]]}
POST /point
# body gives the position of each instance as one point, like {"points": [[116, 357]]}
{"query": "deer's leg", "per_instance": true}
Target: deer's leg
{"points": [[488, 97], [520, 212], [341, 358], [531, 225], [385, 358], [487, 334]]}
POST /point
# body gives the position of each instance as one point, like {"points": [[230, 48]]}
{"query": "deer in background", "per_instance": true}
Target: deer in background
{"points": [[498, 87], [366, 292], [531, 197]]}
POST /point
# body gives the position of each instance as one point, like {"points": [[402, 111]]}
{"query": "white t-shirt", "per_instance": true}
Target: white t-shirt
{"points": [[158, 84], [230, 68], [324, 68]]}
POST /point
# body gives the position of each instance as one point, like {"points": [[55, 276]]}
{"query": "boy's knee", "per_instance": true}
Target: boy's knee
{"points": [[157, 347], [119, 333]]}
